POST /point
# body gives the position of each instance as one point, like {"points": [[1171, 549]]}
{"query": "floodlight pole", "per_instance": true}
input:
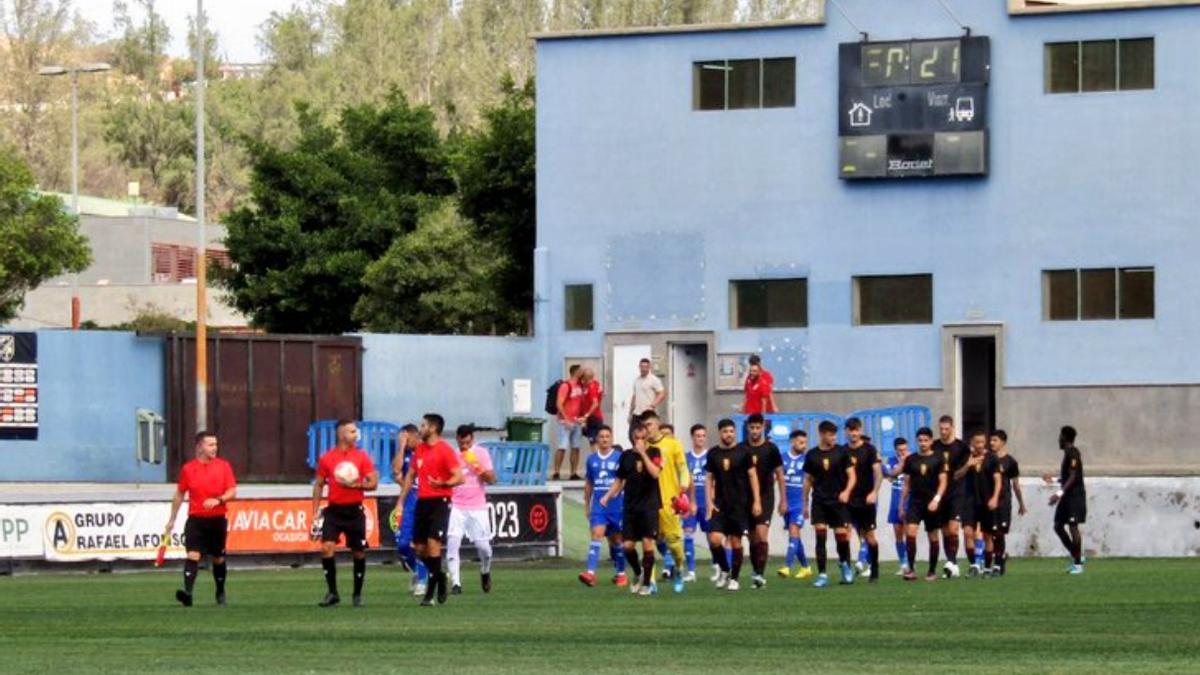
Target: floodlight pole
{"points": [[201, 240], [76, 308]]}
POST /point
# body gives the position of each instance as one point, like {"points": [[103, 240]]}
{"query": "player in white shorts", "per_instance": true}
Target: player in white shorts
{"points": [[469, 512]]}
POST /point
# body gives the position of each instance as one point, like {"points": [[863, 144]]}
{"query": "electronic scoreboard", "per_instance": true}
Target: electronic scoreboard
{"points": [[915, 108]]}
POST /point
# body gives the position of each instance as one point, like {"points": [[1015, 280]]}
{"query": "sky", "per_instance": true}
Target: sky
{"points": [[236, 22]]}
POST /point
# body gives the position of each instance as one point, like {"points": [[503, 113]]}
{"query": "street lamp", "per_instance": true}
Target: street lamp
{"points": [[74, 72]]}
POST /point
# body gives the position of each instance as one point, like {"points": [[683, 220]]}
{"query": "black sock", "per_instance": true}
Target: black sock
{"points": [[360, 574], [933, 557], [822, 554], [647, 568], [843, 548], [952, 549], [1000, 547], [718, 555], [1065, 538], [989, 556], [738, 557], [1077, 546], [873, 552], [635, 565], [189, 575], [760, 552], [911, 544], [330, 567], [219, 571]]}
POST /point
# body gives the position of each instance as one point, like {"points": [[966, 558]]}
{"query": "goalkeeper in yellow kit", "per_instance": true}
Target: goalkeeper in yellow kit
{"points": [[674, 484]]}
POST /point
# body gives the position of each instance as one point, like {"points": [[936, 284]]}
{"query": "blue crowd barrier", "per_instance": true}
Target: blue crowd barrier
{"points": [[885, 425], [780, 426], [377, 439], [519, 463]]}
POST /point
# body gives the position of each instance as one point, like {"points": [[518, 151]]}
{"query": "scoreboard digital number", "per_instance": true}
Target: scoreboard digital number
{"points": [[913, 109]]}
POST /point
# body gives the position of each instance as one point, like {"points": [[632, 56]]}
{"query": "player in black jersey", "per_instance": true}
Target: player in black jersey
{"points": [[732, 489], [868, 469], [1070, 501], [829, 478], [1001, 481], [955, 454], [637, 475], [974, 503], [768, 465], [925, 478]]}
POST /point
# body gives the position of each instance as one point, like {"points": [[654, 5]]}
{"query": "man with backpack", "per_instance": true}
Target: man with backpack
{"points": [[568, 411]]}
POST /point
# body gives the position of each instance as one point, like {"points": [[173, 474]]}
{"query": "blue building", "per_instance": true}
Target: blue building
{"points": [[694, 207]]}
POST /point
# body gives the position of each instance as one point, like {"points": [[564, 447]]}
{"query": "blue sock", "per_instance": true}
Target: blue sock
{"points": [[790, 558], [864, 553], [593, 556], [422, 572], [902, 553], [406, 552], [689, 552], [618, 557], [978, 551], [728, 557], [800, 555]]}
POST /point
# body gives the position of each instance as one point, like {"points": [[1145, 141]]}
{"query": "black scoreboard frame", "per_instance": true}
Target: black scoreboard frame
{"points": [[913, 108]]}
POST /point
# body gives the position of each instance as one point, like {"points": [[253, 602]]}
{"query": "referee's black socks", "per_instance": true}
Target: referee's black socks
{"points": [[330, 566], [189, 575], [218, 570], [360, 573]]}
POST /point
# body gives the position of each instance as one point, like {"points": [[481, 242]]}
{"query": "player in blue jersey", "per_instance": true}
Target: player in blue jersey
{"points": [[603, 520], [698, 517], [893, 468], [406, 443], [793, 519]]}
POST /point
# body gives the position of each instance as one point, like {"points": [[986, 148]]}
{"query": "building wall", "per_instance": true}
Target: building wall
{"points": [[465, 379], [90, 385], [660, 206], [109, 305]]}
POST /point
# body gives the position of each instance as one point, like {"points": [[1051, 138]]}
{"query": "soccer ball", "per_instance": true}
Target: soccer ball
{"points": [[346, 472]]}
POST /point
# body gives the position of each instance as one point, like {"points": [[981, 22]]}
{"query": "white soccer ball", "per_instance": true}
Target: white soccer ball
{"points": [[346, 472]]}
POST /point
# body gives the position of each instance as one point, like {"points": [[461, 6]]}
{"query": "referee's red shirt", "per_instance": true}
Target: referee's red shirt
{"points": [[338, 493], [434, 461], [205, 480]]}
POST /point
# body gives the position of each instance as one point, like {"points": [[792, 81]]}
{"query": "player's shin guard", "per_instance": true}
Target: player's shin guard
{"points": [[843, 547], [873, 559], [647, 568], [635, 565], [910, 552], [978, 550], [800, 554], [789, 558], [593, 559], [665, 553], [422, 572], [735, 570], [408, 555], [360, 574], [864, 552], [189, 575], [675, 555], [484, 549], [822, 553], [719, 557], [219, 571], [689, 553], [329, 565]]}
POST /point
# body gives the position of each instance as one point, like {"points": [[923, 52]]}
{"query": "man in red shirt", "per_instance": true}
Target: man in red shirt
{"points": [[593, 394], [207, 482], [570, 421], [344, 514], [436, 470], [759, 383]]}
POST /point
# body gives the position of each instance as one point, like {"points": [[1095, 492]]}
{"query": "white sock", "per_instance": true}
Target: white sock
{"points": [[453, 561], [485, 555]]}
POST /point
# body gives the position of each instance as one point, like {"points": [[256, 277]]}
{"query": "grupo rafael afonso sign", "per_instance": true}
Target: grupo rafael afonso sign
{"points": [[18, 386]]}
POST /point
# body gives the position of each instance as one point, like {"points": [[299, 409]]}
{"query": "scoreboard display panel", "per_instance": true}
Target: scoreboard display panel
{"points": [[914, 108]]}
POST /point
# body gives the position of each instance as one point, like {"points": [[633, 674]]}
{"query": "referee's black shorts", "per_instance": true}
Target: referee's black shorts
{"points": [[206, 535], [345, 519], [432, 519]]}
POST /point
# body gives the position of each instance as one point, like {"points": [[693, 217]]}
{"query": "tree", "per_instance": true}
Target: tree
{"points": [[440, 278], [325, 208], [155, 136], [39, 240], [495, 169], [141, 47]]}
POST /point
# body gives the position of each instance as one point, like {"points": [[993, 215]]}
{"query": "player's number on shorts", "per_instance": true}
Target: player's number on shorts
{"points": [[505, 523]]}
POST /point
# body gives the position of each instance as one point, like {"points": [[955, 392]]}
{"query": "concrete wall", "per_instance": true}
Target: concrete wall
{"points": [[91, 384], [465, 379], [50, 306], [121, 246]]}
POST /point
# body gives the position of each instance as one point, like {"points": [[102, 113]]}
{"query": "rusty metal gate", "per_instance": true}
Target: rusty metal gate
{"points": [[263, 392]]}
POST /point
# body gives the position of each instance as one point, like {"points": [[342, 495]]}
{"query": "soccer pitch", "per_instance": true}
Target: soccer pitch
{"points": [[1132, 615]]}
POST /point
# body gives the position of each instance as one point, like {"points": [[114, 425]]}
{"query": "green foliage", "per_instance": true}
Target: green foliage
{"points": [[155, 136], [327, 207], [441, 278], [496, 172], [141, 47], [39, 240]]}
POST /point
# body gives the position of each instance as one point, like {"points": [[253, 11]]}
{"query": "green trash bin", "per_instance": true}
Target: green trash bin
{"points": [[527, 429]]}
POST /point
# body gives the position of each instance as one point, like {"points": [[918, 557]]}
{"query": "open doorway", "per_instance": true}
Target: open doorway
{"points": [[977, 383], [688, 390]]}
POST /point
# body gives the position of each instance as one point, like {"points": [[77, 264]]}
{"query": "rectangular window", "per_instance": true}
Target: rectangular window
{"points": [[1099, 65], [1098, 294], [741, 84], [768, 303], [884, 300], [578, 304]]}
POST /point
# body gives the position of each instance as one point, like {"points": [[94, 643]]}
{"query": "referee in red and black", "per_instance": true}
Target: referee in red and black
{"points": [[208, 483], [435, 469], [344, 516]]}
